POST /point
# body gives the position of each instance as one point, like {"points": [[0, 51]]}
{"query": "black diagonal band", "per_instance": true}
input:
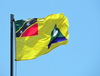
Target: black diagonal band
{"points": [[26, 25]]}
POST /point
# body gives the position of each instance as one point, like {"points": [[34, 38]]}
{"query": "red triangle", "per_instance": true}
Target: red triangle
{"points": [[31, 31]]}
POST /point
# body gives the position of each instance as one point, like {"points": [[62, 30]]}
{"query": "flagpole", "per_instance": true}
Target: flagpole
{"points": [[11, 45]]}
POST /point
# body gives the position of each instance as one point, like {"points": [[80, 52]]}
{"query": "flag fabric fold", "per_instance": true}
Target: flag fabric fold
{"points": [[38, 36]]}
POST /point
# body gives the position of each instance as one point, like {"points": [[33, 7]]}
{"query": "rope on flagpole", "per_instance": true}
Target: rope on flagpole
{"points": [[15, 49]]}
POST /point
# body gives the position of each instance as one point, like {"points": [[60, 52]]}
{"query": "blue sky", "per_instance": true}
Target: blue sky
{"points": [[81, 57]]}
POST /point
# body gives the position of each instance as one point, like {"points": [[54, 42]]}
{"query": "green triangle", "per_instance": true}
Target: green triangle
{"points": [[19, 24], [56, 33]]}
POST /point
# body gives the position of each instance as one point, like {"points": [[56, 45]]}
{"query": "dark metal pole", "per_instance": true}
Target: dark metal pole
{"points": [[11, 45]]}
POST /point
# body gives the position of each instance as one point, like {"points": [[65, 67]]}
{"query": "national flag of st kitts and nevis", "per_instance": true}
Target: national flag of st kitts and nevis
{"points": [[38, 36]]}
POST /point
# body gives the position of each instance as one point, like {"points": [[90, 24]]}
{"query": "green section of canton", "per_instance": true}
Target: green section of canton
{"points": [[19, 24], [56, 33]]}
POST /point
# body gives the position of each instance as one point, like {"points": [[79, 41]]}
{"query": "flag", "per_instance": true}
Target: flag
{"points": [[38, 36]]}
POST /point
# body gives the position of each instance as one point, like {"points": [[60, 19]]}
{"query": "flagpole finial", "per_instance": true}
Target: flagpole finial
{"points": [[12, 17]]}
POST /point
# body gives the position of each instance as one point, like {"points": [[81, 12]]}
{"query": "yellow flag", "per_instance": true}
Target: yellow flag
{"points": [[38, 36]]}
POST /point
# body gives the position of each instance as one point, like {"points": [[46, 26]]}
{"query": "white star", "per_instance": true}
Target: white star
{"points": [[28, 24], [21, 31]]}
